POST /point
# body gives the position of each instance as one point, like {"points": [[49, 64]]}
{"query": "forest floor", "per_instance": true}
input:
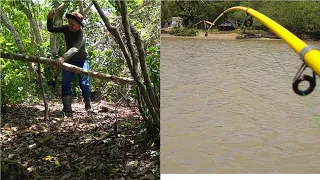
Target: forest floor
{"points": [[84, 147]]}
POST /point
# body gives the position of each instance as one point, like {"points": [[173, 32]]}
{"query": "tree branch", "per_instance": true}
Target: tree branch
{"points": [[127, 32], [145, 4], [150, 103], [33, 24], [144, 68], [142, 56], [85, 12], [61, 6], [65, 66], [80, 3], [116, 34], [36, 31], [53, 36], [17, 39], [14, 32]]}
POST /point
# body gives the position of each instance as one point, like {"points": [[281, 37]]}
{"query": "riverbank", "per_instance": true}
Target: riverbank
{"points": [[225, 36], [237, 34]]}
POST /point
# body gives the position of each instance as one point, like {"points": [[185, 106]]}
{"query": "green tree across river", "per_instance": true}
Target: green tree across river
{"points": [[299, 17]]}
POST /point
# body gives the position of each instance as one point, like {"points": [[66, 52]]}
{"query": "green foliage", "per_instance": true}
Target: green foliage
{"points": [[300, 17], [106, 57], [182, 31], [297, 16], [106, 61], [146, 21], [14, 88], [194, 10], [18, 83], [153, 62]]}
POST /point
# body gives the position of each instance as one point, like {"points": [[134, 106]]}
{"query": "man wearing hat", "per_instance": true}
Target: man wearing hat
{"points": [[75, 55]]}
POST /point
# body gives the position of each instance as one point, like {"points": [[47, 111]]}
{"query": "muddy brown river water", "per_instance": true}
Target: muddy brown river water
{"points": [[228, 107]]}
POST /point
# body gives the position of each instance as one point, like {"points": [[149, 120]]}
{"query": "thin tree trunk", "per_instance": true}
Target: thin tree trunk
{"points": [[80, 3], [144, 68], [145, 4], [14, 32], [53, 36], [17, 38], [113, 30], [36, 31], [142, 56], [65, 66], [32, 37], [57, 21], [116, 34], [140, 103], [128, 35], [85, 12]]}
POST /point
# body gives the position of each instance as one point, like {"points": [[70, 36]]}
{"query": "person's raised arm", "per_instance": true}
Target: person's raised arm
{"points": [[50, 27]]}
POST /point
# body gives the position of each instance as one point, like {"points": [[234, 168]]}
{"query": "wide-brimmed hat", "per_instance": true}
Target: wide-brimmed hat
{"points": [[76, 16]]}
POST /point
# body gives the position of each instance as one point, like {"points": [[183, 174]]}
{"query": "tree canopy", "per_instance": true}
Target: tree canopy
{"points": [[17, 82]]}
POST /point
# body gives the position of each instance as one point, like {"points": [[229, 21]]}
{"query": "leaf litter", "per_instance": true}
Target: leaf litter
{"points": [[82, 147]]}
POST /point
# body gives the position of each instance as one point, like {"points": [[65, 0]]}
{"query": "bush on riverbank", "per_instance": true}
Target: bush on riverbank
{"points": [[306, 36], [182, 31]]}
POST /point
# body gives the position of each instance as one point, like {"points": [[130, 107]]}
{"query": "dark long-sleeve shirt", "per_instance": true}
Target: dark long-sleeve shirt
{"points": [[75, 42]]}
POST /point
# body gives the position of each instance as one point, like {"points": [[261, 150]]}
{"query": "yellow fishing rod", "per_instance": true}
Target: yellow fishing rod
{"points": [[310, 55]]}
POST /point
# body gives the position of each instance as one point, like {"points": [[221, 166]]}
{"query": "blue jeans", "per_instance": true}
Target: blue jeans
{"points": [[67, 77]]}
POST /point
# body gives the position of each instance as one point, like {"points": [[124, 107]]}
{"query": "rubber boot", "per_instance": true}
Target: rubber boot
{"points": [[88, 104], [67, 110]]}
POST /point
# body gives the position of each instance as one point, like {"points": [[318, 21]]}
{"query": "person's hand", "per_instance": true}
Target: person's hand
{"points": [[60, 60], [51, 14]]}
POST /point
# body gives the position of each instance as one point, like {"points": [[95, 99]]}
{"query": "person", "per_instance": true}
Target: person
{"points": [[76, 55]]}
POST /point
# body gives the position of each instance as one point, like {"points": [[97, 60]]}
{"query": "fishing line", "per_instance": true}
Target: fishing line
{"points": [[174, 87], [183, 71], [192, 56], [305, 97], [297, 79]]}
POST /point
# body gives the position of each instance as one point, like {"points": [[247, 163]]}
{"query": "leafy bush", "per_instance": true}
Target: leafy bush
{"points": [[182, 31], [107, 61], [153, 63], [17, 85]]}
